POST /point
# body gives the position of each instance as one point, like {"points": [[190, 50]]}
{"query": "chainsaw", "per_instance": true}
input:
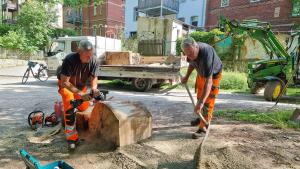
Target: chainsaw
{"points": [[37, 119]]}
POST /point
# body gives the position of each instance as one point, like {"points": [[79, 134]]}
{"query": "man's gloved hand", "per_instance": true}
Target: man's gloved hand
{"points": [[95, 93], [184, 79], [85, 96]]}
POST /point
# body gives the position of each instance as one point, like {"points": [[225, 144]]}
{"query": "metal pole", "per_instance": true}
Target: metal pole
{"points": [[161, 1]]}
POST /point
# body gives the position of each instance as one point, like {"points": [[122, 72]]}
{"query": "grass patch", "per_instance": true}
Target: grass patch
{"points": [[293, 91], [279, 119], [116, 84], [232, 81]]}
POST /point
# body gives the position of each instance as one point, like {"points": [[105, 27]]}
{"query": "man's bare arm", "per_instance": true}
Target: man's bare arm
{"points": [[65, 82], [94, 82]]}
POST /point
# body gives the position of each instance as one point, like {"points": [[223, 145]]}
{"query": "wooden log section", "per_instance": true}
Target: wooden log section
{"points": [[121, 123]]}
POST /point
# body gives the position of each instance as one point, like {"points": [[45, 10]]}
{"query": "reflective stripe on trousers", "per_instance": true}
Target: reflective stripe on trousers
{"points": [[70, 117]]}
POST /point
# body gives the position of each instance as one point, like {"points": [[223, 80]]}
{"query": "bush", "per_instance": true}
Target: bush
{"points": [[234, 81], [5, 28]]}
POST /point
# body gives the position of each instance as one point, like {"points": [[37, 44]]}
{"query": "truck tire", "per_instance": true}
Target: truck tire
{"points": [[141, 84], [273, 90], [58, 70]]}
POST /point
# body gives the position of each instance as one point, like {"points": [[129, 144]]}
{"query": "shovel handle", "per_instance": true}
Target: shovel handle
{"points": [[191, 97]]}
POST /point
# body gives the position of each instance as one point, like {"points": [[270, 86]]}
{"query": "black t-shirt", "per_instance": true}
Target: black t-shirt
{"points": [[208, 62], [79, 72]]}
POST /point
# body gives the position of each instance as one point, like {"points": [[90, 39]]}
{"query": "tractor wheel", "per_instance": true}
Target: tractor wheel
{"points": [[141, 84], [272, 90], [255, 88]]}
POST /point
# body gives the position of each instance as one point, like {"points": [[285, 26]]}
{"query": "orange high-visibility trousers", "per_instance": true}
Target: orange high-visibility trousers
{"points": [[69, 116], [209, 104]]}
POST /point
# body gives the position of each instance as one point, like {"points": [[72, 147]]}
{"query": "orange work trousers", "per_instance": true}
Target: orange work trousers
{"points": [[70, 116], [209, 103]]}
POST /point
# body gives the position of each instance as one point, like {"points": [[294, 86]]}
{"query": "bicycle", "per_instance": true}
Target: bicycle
{"points": [[41, 73]]}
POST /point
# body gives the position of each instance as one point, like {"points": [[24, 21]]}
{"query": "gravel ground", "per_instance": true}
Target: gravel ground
{"points": [[170, 146]]}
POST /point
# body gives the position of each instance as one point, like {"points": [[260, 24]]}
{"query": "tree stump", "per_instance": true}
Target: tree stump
{"points": [[121, 123]]}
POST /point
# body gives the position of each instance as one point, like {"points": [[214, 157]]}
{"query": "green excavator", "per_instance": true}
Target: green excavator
{"points": [[282, 66]]}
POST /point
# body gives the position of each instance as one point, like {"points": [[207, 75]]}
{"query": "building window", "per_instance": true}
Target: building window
{"points": [[181, 19], [296, 8], [94, 30], [254, 1], [276, 12], [182, 1], [100, 7], [95, 9], [194, 20], [224, 3], [133, 34], [135, 13]]}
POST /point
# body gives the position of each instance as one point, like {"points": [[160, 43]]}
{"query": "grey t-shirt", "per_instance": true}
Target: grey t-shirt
{"points": [[77, 71], [208, 62]]}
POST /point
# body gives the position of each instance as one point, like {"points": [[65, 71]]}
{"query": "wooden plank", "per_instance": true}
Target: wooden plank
{"points": [[152, 59], [122, 58]]}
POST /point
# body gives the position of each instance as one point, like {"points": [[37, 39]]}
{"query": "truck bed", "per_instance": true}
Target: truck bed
{"points": [[153, 71]]}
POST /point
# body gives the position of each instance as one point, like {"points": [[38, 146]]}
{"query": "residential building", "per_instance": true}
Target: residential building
{"points": [[282, 14], [10, 9], [190, 12], [103, 19]]}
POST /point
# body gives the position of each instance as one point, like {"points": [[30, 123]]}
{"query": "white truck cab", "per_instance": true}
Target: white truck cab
{"points": [[62, 46]]}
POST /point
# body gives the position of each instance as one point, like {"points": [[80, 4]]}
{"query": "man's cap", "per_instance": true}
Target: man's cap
{"points": [[85, 45]]}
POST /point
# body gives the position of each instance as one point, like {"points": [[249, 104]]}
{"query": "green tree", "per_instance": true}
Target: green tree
{"points": [[296, 8], [35, 22]]}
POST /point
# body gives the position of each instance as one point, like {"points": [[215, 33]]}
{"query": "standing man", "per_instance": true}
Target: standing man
{"points": [[77, 69], [208, 65]]}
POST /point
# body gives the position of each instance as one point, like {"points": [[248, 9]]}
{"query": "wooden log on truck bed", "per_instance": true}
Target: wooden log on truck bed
{"points": [[121, 123]]}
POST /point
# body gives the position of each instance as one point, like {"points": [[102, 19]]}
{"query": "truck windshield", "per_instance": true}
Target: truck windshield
{"points": [[56, 47]]}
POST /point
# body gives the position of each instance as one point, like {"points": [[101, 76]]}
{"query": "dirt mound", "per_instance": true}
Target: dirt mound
{"points": [[223, 158]]}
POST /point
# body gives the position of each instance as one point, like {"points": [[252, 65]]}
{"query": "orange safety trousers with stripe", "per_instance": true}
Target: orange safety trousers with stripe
{"points": [[209, 103], [70, 116]]}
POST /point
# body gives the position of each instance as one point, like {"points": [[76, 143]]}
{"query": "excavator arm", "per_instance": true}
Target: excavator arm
{"points": [[260, 31]]}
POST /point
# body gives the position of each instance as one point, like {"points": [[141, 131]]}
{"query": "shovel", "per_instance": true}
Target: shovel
{"points": [[194, 105]]}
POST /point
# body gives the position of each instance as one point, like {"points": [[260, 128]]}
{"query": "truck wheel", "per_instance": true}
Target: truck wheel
{"points": [[255, 88], [141, 84], [272, 90], [58, 70]]}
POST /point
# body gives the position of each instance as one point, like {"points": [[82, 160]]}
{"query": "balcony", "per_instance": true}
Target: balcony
{"points": [[9, 21], [154, 7], [74, 19], [10, 6]]}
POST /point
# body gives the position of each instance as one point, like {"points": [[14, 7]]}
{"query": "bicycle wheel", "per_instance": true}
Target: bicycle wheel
{"points": [[42, 74], [25, 76]]}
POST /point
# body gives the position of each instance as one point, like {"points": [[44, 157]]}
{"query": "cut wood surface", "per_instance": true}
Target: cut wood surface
{"points": [[121, 123], [122, 58]]}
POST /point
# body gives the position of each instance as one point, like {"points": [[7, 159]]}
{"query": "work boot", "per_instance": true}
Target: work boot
{"points": [[72, 146], [199, 133], [195, 122]]}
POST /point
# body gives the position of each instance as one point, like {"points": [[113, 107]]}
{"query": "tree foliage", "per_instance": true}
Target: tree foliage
{"points": [[35, 21]]}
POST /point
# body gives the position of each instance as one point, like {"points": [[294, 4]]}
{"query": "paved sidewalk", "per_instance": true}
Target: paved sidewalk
{"points": [[17, 71]]}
